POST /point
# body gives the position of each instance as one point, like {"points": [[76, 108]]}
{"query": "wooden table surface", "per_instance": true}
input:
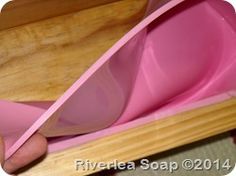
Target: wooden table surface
{"points": [[40, 60]]}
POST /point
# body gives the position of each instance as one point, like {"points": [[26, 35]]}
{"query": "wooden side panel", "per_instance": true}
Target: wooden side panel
{"points": [[20, 12], [40, 60]]}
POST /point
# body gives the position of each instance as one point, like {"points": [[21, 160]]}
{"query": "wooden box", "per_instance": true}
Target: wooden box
{"points": [[47, 44]]}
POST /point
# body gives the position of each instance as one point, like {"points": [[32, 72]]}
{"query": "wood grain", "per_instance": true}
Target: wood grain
{"points": [[39, 61], [142, 141], [19, 12]]}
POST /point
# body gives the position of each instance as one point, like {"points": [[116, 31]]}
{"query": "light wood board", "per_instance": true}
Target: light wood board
{"points": [[41, 60], [19, 12]]}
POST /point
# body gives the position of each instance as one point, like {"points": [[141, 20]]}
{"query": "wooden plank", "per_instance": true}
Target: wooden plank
{"points": [[20, 12], [142, 141], [39, 61]]}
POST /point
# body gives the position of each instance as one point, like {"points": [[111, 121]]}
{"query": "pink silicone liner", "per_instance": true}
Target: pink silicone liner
{"points": [[87, 74], [75, 141], [66, 142]]}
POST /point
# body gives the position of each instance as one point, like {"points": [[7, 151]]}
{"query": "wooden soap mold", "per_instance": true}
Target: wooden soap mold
{"points": [[32, 44]]}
